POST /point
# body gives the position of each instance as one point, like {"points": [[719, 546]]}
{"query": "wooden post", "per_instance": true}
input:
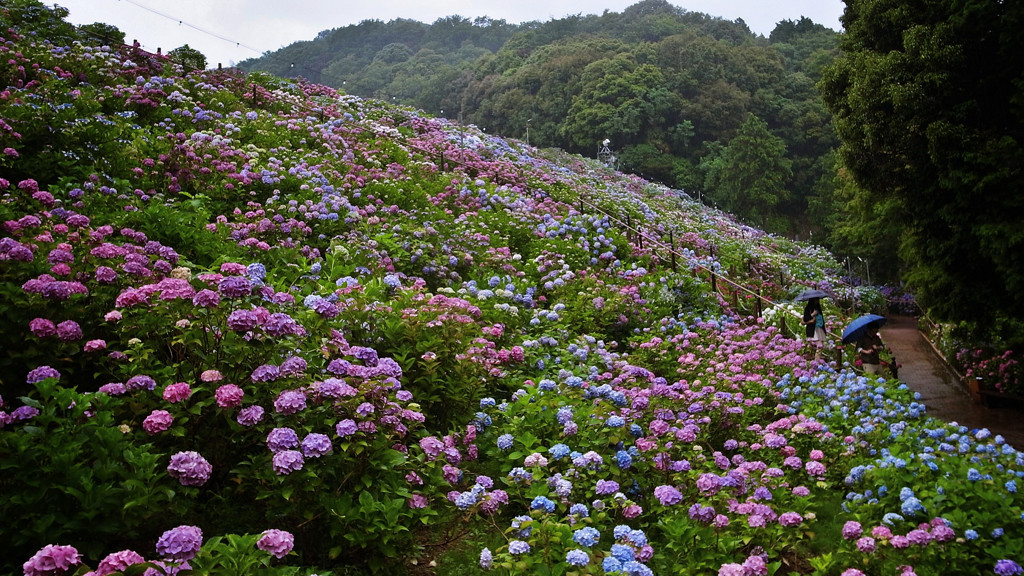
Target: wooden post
{"points": [[757, 302], [672, 249], [714, 283]]}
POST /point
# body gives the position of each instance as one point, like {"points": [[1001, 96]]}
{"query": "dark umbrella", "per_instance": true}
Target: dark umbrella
{"points": [[810, 295], [858, 327]]}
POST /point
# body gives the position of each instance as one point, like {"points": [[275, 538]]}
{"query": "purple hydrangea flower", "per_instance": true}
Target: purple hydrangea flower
{"points": [[22, 413], [278, 542], [113, 389], [346, 427], [181, 543], [280, 324], [205, 298], [290, 402], [852, 529], [287, 461], [315, 445], [242, 320], [42, 327], [69, 331], [235, 287], [190, 468], [41, 373], [293, 366], [140, 382], [668, 495], [250, 415], [266, 373], [1008, 568], [106, 275], [282, 439], [790, 519]]}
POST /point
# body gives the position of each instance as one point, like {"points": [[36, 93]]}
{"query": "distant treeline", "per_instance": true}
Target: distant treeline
{"points": [[694, 101]]}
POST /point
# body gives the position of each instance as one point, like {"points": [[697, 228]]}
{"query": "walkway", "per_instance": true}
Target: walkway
{"points": [[941, 392]]}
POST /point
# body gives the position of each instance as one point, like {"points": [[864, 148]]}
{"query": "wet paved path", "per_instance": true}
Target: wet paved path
{"points": [[941, 392]]}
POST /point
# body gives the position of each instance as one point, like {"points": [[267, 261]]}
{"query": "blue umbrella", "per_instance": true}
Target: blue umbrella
{"points": [[859, 326], [810, 295]]}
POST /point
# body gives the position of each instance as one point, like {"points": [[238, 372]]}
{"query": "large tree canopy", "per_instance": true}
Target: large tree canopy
{"points": [[927, 98]]}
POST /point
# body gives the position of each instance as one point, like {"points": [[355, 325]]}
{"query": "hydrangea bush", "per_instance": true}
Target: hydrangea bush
{"points": [[259, 326]]}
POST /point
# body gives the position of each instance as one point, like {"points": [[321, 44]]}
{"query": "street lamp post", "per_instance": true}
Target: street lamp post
{"points": [[867, 269]]}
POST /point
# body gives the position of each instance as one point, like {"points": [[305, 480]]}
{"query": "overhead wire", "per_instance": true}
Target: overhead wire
{"points": [[184, 22]]}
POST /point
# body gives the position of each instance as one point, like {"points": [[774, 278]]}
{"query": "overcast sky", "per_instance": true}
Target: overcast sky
{"points": [[229, 31]]}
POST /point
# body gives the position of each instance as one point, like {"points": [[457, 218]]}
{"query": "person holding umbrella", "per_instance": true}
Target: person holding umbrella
{"points": [[864, 331], [868, 348], [814, 324]]}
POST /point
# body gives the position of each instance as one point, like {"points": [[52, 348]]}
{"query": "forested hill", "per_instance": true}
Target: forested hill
{"points": [[691, 100]]}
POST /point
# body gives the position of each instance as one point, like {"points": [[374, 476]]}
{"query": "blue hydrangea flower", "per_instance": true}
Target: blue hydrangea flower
{"points": [[505, 441], [623, 459], [622, 552], [891, 518], [911, 507], [518, 547], [611, 564], [587, 536], [559, 451], [542, 503], [577, 557]]}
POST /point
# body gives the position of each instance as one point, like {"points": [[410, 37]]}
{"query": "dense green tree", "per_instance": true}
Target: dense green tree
{"points": [[107, 34], [749, 175], [927, 102], [189, 58], [45, 21]]}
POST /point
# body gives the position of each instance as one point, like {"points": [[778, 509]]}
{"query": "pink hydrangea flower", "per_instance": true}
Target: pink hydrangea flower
{"points": [[157, 421], [278, 542], [51, 559], [177, 392], [229, 396], [117, 562], [94, 345]]}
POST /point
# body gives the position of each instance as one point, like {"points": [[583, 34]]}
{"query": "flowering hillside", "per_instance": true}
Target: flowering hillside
{"points": [[257, 326]]}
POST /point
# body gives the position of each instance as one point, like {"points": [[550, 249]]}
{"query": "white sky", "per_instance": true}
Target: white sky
{"points": [[229, 31]]}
